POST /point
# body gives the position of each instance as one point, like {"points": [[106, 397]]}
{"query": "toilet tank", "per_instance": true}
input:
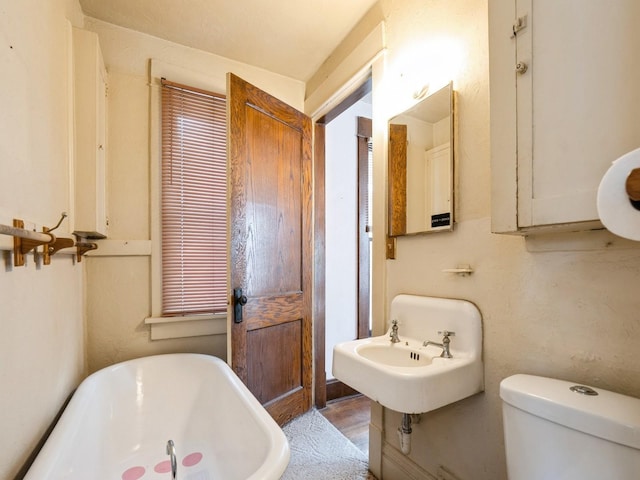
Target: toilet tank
{"points": [[555, 433]]}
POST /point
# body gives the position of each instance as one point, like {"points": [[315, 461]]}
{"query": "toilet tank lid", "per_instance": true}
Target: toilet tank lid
{"points": [[608, 415]]}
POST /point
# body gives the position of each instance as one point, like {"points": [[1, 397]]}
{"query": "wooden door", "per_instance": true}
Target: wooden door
{"points": [[271, 249]]}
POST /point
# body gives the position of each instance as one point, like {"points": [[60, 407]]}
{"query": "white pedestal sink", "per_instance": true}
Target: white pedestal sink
{"points": [[407, 376]]}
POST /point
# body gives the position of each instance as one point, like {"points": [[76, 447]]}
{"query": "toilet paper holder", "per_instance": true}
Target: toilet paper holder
{"points": [[632, 187], [618, 198]]}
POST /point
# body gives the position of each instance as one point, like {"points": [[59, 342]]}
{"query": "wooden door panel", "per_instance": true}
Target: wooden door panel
{"points": [[271, 256], [267, 311], [273, 352], [273, 214]]}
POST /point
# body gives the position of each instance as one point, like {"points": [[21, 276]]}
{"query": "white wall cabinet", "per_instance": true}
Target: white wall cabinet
{"points": [[90, 112], [565, 91]]}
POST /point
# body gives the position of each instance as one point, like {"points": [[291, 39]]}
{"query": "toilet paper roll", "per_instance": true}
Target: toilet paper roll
{"points": [[615, 209]]}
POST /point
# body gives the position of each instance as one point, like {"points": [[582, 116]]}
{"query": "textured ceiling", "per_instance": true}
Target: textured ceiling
{"points": [[289, 37]]}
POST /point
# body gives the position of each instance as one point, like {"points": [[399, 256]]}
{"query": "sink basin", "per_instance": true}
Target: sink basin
{"points": [[408, 377], [393, 354]]}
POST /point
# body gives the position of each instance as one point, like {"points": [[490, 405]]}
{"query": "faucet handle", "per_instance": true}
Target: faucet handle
{"points": [[447, 333], [394, 322]]}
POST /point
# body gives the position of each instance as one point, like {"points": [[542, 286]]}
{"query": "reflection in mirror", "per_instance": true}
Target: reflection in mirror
{"points": [[421, 166]]}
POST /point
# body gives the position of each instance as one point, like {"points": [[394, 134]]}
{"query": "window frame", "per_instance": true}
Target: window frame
{"points": [[166, 327]]}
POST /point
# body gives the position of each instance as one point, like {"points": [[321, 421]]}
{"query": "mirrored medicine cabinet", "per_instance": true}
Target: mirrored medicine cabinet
{"points": [[421, 159]]}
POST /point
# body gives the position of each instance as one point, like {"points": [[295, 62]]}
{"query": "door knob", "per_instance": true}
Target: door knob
{"points": [[239, 300], [521, 67]]}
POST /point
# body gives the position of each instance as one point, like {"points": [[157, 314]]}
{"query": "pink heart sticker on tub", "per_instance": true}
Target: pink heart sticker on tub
{"points": [[192, 459], [133, 473], [163, 467]]}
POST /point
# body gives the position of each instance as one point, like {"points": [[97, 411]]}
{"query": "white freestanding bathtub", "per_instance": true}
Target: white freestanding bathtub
{"points": [[120, 419]]}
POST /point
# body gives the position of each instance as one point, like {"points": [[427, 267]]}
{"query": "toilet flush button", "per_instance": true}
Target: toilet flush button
{"points": [[583, 390]]}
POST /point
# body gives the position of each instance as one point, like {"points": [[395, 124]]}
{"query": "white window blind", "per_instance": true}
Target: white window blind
{"points": [[194, 201]]}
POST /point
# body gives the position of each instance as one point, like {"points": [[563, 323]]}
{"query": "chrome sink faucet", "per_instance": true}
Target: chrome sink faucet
{"points": [[394, 332], [444, 345]]}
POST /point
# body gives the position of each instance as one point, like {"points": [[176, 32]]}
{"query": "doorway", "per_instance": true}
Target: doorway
{"points": [[346, 149]]}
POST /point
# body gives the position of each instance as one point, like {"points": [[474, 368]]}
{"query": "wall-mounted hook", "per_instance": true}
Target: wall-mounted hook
{"points": [[24, 241], [57, 244], [63, 215], [84, 247]]}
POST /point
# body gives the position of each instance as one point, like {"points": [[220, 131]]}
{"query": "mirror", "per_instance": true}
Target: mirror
{"points": [[421, 143]]}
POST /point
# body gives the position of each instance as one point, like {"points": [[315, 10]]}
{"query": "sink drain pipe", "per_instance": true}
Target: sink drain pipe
{"points": [[404, 434]]}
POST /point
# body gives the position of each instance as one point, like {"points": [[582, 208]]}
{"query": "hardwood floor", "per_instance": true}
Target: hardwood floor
{"points": [[351, 416]]}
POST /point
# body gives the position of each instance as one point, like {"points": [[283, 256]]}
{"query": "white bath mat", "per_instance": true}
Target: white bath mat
{"points": [[320, 452]]}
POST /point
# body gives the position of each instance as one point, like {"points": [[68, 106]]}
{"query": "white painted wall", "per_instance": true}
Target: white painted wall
{"points": [[42, 345], [341, 228]]}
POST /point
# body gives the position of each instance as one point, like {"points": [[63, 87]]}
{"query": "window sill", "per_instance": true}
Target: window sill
{"points": [[163, 328]]}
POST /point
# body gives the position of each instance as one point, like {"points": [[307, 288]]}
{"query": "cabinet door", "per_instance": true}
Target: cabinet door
{"points": [[102, 224], [575, 104], [90, 83]]}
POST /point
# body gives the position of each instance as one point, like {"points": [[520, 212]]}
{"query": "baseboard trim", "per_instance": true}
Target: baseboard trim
{"points": [[337, 389], [395, 464]]}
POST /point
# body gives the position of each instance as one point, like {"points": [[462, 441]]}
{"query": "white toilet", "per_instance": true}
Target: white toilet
{"points": [[556, 432]]}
